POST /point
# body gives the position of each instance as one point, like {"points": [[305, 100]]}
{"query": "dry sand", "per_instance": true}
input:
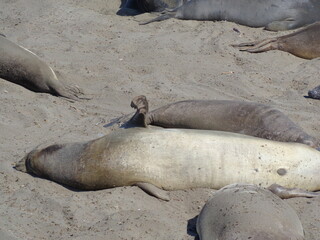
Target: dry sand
{"points": [[113, 59]]}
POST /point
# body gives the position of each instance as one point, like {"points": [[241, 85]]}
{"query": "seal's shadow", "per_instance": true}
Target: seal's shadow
{"points": [[192, 228]]}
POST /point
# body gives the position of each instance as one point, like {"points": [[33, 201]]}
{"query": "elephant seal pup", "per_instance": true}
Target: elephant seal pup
{"points": [[314, 93], [243, 211], [23, 67], [135, 7], [223, 115], [303, 43], [274, 15], [173, 159]]}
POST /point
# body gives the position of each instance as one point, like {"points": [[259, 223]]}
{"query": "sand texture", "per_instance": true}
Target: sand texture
{"points": [[114, 59]]}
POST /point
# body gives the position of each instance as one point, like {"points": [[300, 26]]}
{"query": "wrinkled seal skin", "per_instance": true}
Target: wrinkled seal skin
{"points": [[21, 66], [303, 43], [135, 7], [174, 159], [314, 93], [274, 15], [223, 115], [242, 211]]}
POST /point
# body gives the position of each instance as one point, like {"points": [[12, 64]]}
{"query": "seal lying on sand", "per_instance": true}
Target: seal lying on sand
{"points": [[304, 43], [314, 93], [274, 15], [135, 7], [23, 67], [174, 159], [242, 211], [223, 115]]}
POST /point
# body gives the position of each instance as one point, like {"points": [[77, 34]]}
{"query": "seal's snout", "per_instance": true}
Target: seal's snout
{"points": [[21, 165]]}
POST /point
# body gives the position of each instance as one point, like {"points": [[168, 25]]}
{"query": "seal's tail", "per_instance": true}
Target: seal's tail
{"points": [[167, 14], [141, 104]]}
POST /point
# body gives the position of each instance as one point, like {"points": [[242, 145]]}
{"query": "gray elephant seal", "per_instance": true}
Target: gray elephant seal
{"points": [[303, 43], [223, 115], [135, 7], [314, 93], [274, 15], [23, 67], [242, 211], [173, 159]]}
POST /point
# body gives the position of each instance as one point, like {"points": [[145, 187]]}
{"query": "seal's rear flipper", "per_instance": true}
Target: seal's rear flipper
{"points": [[165, 15], [286, 193], [140, 103], [258, 46], [153, 190]]}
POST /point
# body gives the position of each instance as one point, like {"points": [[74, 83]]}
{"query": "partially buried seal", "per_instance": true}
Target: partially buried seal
{"points": [[23, 67], [314, 93], [223, 115], [173, 159], [135, 7], [303, 43], [274, 15], [242, 211]]}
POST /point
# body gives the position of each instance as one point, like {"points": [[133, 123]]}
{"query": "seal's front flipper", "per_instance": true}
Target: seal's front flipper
{"points": [[286, 193], [153, 190], [286, 24], [164, 16], [140, 103]]}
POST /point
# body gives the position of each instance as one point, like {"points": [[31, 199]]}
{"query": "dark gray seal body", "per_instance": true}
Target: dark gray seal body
{"points": [[242, 211], [303, 43], [135, 7], [314, 93], [274, 15], [223, 115], [23, 67]]}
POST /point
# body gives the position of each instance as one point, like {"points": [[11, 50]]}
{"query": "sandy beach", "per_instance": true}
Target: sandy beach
{"points": [[113, 59]]}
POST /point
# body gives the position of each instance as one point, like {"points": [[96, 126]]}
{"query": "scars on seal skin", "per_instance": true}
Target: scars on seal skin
{"points": [[223, 115], [274, 15], [172, 159], [23, 67], [244, 211], [304, 43]]}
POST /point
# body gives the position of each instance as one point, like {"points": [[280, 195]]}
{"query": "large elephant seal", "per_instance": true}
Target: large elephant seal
{"points": [[23, 67], [243, 211], [135, 7], [175, 159], [314, 93], [274, 15], [223, 115], [303, 43]]}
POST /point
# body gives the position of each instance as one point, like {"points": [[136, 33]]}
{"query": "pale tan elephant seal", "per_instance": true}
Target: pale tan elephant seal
{"points": [[23, 67], [243, 211], [303, 43], [173, 159], [247, 118]]}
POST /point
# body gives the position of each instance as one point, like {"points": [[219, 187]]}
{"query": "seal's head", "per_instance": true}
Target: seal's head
{"points": [[31, 164]]}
